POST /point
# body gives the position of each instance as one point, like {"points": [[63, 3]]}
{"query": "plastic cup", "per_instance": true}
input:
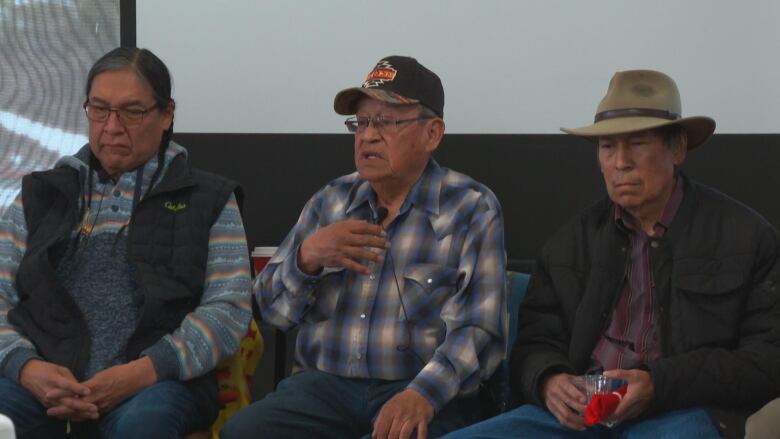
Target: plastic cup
{"points": [[597, 384], [261, 256]]}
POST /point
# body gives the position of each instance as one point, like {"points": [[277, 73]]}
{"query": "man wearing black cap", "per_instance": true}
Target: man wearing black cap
{"points": [[394, 275], [666, 284]]}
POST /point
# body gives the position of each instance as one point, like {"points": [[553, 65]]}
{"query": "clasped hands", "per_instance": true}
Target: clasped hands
{"points": [[567, 402], [66, 398]]}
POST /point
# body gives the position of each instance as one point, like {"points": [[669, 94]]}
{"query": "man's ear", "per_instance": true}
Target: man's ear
{"points": [[434, 131], [682, 148]]}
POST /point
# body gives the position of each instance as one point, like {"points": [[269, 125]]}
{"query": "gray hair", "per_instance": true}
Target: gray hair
{"points": [[427, 113]]}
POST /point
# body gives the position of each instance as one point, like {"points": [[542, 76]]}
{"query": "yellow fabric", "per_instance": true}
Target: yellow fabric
{"points": [[235, 376]]}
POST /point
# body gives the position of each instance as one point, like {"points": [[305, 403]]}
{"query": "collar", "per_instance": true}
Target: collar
{"points": [[424, 194]]}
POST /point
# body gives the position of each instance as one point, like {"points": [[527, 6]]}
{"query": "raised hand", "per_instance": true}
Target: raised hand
{"points": [[344, 244]]}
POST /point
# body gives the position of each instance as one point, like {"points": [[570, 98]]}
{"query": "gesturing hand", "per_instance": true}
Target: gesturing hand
{"points": [[343, 244], [55, 386], [638, 395], [564, 400], [402, 415]]}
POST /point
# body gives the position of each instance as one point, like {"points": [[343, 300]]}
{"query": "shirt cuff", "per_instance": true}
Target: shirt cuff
{"points": [[165, 360], [15, 361], [437, 383], [294, 279]]}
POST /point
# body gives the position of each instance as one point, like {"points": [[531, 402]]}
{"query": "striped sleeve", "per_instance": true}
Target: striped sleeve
{"points": [[15, 348], [213, 331], [283, 292]]}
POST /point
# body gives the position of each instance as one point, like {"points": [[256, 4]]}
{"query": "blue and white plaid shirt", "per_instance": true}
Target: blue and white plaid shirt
{"points": [[447, 246]]}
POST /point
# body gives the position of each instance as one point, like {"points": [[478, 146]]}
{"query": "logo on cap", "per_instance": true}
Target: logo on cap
{"points": [[383, 72]]}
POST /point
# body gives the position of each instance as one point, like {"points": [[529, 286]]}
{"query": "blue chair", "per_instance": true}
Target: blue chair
{"points": [[516, 286], [498, 385]]}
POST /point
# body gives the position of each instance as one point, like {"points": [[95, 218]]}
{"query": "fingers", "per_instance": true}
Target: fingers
{"points": [[628, 408], [365, 228], [566, 416], [564, 391], [639, 393], [396, 428], [404, 430], [58, 393], [64, 381], [361, 253], [350, 264], [573, 397], [565, 401], [368, 241], [422, 430], [69, 407], [381, 426]]}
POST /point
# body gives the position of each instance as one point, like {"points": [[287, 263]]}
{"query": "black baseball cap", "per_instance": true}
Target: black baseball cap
{"points": [[396, 80]]}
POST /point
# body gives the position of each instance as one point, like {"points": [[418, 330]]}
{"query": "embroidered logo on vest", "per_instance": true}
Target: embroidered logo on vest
{"points": [[170, 205]]}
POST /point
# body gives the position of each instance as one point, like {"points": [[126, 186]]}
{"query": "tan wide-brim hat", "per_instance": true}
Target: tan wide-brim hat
{"points": [[639, 100]]}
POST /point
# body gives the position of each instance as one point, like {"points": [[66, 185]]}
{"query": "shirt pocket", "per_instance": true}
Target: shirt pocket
{"points": [[709, 308], [426, 286]]}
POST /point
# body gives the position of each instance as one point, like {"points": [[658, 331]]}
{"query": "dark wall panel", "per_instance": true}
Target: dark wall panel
{"points": [[541, 180]]}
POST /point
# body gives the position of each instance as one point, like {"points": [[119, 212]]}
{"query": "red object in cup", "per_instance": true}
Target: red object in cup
{"points": [[260, 257], [602, 405]]}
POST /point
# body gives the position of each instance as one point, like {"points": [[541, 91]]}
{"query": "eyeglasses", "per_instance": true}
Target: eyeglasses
{"points": [[127, 116], [381, 123]]}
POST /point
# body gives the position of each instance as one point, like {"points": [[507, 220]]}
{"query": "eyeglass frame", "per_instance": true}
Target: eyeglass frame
{"points": [[382, 126], [122, 121]]}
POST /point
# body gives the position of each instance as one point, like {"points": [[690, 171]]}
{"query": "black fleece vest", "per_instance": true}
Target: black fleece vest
{"points": [[167, 242]]}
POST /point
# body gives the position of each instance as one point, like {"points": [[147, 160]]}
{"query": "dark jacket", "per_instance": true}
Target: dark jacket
{"points": [[167, 243], [716, 278]]}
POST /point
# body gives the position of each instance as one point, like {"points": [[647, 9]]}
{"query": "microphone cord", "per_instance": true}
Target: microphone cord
{"points": [[381, 214]]}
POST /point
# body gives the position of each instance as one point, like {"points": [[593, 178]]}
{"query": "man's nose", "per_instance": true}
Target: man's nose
{"points": [[370, 132], [623, 157], [113, 124]]}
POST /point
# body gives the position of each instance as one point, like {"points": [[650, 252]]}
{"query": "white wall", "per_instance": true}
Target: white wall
{"points": [[508, 66]]}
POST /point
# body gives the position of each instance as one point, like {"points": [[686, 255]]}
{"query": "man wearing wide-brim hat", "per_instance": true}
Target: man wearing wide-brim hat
{"points": [[666, 284]]}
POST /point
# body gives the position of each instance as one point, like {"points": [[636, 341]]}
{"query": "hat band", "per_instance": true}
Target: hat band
{"points": [[630, 112]]}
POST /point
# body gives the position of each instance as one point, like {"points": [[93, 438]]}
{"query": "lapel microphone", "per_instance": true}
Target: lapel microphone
{"points": [[381, 215]]}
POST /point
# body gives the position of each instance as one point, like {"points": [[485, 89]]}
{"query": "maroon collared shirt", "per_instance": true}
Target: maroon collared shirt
{"points": [[632, 338]]}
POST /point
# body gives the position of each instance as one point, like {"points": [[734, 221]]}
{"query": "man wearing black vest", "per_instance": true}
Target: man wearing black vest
{"points": [[124, 274]]}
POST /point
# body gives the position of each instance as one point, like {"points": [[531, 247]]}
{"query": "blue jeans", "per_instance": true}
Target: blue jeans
{"points": [[315, 404], [531, 421], [164, 410]]}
